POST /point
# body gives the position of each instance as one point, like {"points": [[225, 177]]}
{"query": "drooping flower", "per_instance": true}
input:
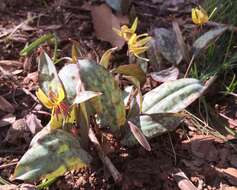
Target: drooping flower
{"points": [[200, 16], [125, 32], [55, 102], [138, 44]]}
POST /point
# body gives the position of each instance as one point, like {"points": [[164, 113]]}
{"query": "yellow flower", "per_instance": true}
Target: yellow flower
{"points": [[137, 46], [125, 32], [200, 16], [54, 101]]}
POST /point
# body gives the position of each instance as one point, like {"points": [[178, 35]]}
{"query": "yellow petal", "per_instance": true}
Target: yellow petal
{"points": [[143, 41], [139, 50], [44, 99], [134, 25], [139, 57], [199, 16], [60, 95], [132, 40], [72, 115], [56, 121]]}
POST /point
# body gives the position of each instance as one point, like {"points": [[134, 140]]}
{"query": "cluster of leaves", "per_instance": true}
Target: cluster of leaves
{"points": [[84, 89]]}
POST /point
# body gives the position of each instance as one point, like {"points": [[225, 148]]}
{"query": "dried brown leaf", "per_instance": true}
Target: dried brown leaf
{"points": [[6, 106], [33, 123], [104, 21], [7, 120]]}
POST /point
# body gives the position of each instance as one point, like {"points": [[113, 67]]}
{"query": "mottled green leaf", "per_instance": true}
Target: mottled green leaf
{"points": [[94, 77], [206, 38], [167, 45], [137, 133], [69, 77], [51, 154], [152, 125], [109, 105], [48, 77], [172, 96]]}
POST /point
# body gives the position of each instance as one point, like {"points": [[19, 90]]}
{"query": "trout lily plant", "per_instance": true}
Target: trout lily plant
{"points": [[85, 95]]}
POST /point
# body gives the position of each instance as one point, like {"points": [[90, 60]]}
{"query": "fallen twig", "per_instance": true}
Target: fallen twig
{"points": [[31, 95], [10, 63], [7, 165], [182, 180], [105, 159]]}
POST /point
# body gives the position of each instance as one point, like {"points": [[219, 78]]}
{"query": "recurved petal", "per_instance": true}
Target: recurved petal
{"points": [[138, 50], [132, 39], [143, 41], [134, 25], [71, 117], [60, 95], [56, 121], [44, 99]]}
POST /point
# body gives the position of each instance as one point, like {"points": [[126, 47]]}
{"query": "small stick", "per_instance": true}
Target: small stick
{"points": [[105, 159], [172, 146], [189, 66], [7, 165], [182, 180], [31, 95]]}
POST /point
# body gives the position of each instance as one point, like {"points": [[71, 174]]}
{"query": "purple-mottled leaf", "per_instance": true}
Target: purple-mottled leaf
{"points": [[139, 136], [169, 74], [207, 38]]}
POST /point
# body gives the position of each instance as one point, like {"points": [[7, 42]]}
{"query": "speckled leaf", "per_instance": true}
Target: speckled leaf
{"points": [[48, 77], [50, 155], [165, 75], [94, 77], [172, 96], [167, 45], [206, 38], [109, 105], [69, 77], [137, 133], [152, 125], [156, 60]]}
